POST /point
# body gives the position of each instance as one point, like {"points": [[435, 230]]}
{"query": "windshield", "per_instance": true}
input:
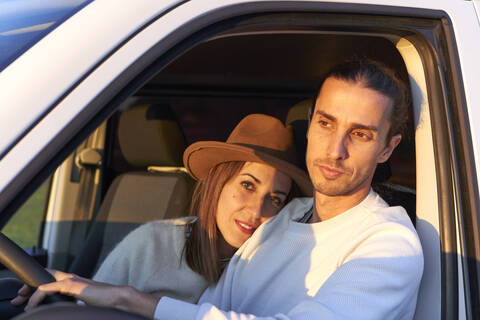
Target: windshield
{"points": [[24, 22]]}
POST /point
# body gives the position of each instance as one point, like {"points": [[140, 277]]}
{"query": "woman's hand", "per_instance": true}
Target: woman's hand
{"points": [[92, 293]]}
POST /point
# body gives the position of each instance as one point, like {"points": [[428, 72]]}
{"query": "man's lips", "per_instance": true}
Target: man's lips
{"points": [[330, 173], [245, 227]]}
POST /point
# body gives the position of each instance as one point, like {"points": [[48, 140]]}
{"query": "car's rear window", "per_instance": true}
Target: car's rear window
{"points": [[24, 22]]}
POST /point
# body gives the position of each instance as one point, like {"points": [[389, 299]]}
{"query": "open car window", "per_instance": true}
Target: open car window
{"points": [[212, 72]]}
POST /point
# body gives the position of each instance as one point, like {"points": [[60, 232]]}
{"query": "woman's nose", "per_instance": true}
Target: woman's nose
{"points": [[257, 207]]}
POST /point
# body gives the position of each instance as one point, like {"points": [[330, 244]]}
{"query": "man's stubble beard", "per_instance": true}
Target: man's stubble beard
{"points": [[332, 188], [335, 187]]}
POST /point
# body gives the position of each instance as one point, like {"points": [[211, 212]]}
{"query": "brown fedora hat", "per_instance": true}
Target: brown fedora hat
{"points": [[257, 138]]}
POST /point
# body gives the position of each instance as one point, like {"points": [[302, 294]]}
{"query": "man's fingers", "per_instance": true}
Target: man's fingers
{"points": [[59, 275], [25, 290], [18, 300], [23, 294], [68, 286], [35, 299]]}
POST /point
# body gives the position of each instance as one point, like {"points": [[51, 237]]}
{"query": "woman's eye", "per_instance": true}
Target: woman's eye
{"points": [[248, 185], [277, 202]]}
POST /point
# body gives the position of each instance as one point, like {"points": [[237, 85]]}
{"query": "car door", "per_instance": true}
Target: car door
{"points": [[435, 39]]}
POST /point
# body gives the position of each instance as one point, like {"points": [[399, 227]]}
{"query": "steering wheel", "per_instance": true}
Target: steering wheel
{"points": [[27, 269]]}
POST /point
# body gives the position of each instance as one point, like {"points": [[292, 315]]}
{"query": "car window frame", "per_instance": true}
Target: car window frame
{"points": [[452, 147]]}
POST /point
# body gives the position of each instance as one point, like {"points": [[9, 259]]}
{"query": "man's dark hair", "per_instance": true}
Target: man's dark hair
{"points": [[375, 75]]}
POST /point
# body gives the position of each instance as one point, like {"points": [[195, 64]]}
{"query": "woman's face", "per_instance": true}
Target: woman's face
{"points": [[253, 196]]}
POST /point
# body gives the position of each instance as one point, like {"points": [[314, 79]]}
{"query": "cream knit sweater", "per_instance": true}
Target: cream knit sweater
{"points": [[150, 259], [365, 263]]}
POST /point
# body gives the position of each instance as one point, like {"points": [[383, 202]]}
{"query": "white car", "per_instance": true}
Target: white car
{"points": [[99, 98]]}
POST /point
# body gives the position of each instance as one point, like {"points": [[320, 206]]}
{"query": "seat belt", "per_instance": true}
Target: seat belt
{"points": [[89, 161]]}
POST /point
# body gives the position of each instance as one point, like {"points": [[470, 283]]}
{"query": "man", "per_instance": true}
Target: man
{"points": [[344, 254]]}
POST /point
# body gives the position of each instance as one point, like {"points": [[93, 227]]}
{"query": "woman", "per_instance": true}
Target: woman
{"points": [[241, 184]]}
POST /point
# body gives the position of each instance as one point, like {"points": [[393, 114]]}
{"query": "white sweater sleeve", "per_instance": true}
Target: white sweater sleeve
{"points": [[371, 283], [172, 309]]}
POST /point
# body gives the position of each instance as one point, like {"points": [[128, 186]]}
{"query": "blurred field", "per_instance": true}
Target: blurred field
{"points": [[24, 226]]}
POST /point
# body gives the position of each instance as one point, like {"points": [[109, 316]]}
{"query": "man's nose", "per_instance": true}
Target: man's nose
{"points": [[337, 149]]}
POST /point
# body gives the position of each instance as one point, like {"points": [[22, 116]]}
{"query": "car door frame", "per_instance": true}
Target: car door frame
{"points": [[96, 96]]}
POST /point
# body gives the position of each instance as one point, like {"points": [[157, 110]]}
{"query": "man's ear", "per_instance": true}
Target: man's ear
{"points": [[387, 151]]}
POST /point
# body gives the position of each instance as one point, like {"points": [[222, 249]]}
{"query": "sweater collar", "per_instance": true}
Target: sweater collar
{"points": [[371, 202]]}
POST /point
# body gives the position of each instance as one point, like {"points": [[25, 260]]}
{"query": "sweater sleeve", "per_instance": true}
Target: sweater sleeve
{"points": [[366, 288], [379, 279], [172, 309]]}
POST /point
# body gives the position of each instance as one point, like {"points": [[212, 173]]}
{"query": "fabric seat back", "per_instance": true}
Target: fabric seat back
{"points": [[152, 141]]}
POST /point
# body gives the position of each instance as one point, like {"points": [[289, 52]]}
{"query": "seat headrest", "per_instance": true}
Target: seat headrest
{"points": [[299, 112], [297, 117], [149, 135]]}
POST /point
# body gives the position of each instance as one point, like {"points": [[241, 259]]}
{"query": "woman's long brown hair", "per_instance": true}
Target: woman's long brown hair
{"points": [[201, 246]]}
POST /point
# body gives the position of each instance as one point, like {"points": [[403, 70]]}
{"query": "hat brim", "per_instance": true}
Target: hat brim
{"points": [[199, 157]]}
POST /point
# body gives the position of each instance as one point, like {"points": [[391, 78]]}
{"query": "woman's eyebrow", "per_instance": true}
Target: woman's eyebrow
{"points": [[258, 181], [280, 192], [252, 176]]}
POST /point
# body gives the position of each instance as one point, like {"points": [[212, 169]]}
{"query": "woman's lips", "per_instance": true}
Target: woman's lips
{"points": [[330, 173], [245, 227]]}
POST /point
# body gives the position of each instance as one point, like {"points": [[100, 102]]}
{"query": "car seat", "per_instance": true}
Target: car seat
{"points": [[150, 139], [393, 194]]}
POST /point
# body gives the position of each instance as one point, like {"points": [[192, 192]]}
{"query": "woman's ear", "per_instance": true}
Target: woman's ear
{"points": [[387, 151]]}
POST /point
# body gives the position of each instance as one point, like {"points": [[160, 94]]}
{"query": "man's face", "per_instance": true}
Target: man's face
{"points": [[347, 137]]}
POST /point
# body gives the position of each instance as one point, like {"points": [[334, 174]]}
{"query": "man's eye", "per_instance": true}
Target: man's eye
{"points": [[323, 123], [362, 135], [248, 185]]}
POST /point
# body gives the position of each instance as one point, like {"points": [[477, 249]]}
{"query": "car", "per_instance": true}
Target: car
{"points": [[97, 94]]}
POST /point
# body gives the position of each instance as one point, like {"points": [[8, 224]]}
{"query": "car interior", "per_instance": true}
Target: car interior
{"points": [[173, 110], [129, 170]]}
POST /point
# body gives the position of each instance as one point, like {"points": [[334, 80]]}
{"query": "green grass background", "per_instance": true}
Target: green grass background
{"points": [[24, 227]]}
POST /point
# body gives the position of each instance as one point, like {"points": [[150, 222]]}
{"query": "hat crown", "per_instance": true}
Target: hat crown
{"points": [[257, 138], [266, 134]]}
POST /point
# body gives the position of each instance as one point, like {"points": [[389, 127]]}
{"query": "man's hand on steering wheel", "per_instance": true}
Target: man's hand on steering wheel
{"points": [[91, 292]]}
